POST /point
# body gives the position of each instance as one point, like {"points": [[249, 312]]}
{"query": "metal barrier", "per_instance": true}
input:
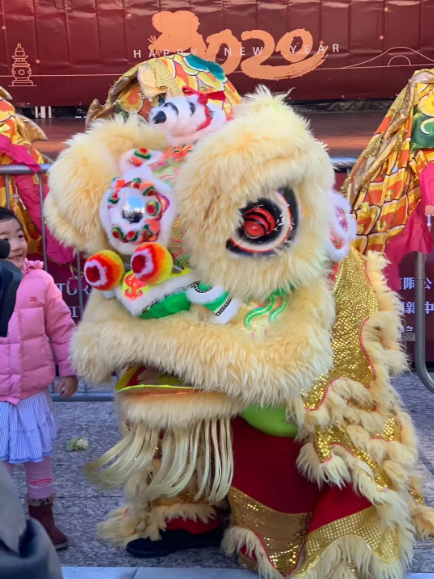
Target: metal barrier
{"points": [[341, 165], [84, 393]]}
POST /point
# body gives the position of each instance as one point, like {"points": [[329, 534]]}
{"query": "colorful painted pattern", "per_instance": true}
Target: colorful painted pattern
{"points": [[256, 317], [144, 85], [383, 187], [167, 170]]}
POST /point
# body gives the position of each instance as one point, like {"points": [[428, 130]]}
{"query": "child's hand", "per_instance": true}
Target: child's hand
{"points": [[67, 386]]}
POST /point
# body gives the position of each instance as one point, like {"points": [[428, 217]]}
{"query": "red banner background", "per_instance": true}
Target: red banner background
{"points": [[71, 51]]}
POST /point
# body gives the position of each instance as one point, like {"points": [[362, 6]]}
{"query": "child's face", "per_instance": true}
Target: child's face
{"points": [[12, 231]]}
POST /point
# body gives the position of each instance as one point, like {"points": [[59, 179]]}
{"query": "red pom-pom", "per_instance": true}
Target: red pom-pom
{"points": [[104, 270], [152, 263]]}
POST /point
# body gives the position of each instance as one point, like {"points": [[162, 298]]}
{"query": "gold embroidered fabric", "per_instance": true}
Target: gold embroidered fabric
{"points": [[391, 431], [184, 498], [325, 438], [417, 497], [366, 524], [383, 186], [165, 79], [257, 317], [176, 245], [155, 78], [355, 302], [282, 535]]}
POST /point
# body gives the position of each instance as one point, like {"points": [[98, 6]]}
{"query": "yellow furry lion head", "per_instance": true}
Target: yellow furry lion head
{"points": [[252, 210], [266, 155]]}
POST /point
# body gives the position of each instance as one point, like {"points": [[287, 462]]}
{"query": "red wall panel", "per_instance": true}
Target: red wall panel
{"points": [[77, 48]]}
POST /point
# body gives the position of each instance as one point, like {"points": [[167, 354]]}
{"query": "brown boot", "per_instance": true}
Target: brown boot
{"points": [[42, 511]]}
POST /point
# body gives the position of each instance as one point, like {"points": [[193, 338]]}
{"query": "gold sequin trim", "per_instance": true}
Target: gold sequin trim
{"points": [[391, 430], [374, 147], [325, 438], [281, 535], [417, 497], [184, 498], [164, 78], [382, 541], [355, 302], [368, 407]]}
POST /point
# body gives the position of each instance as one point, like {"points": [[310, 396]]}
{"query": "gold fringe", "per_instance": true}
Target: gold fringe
{"points": [[205, 451], [237, 537]]}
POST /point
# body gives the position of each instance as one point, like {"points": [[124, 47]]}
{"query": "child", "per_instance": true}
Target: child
{"points": [[28, 425]]}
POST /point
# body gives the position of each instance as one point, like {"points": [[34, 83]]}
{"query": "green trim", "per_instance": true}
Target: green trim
{"points": [[170, 305], [271, 421]]}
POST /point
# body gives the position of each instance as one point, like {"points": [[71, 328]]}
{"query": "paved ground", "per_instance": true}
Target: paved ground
{"points": [[80, 506]]}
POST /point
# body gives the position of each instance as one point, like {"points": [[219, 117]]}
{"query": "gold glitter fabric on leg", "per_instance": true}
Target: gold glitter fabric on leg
{"points": [[357, 433], [294, 545], [282, 535]]}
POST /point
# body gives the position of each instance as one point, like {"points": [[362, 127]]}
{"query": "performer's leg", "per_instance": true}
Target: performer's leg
{"points": [[283, 525], [271, 502]]}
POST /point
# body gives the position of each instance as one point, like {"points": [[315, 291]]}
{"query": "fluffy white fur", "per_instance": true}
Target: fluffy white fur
{"points": [[82, 174], [112, 214], [156, 293], [181, 125]]}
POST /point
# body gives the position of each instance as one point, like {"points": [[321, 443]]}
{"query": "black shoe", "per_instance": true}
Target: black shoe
{"points": [[173, 541]]}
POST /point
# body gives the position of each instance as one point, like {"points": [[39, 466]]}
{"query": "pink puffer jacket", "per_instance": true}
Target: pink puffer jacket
{"points": [[27, 364]]}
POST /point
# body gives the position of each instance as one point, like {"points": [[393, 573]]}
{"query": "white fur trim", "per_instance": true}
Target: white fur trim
{"points": [[156, 293], [229, 313], [182, 128], [149, 262], [92, 262], [125, 161], [199, 298], [166, 222], [109, 295]]}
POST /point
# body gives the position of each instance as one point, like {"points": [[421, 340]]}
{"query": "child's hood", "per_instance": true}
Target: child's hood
{"points": [[29, 265]]}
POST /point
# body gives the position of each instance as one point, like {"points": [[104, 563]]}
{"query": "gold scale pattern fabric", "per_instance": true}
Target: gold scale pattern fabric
{"points": [[281, 534], [284, 536], [355, 302]]}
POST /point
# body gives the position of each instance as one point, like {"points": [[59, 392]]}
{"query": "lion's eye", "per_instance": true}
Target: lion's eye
{"points": [[267, 224], [258, 222]]}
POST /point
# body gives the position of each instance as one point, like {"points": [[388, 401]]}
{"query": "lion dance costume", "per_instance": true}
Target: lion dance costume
{"points": [[255, 344], [392, 182]]}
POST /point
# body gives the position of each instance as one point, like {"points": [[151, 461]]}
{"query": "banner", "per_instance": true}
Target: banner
{"points": [[68, 52]]}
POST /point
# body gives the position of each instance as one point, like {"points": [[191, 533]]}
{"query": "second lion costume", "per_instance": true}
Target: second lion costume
{"points": [[256, 368]]}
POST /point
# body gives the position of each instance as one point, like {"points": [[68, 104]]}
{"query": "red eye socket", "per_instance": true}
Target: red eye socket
{"points": [[258, 222]]}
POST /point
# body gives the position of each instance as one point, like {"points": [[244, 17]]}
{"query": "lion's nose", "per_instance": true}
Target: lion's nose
{"points": [[159, 118]]}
